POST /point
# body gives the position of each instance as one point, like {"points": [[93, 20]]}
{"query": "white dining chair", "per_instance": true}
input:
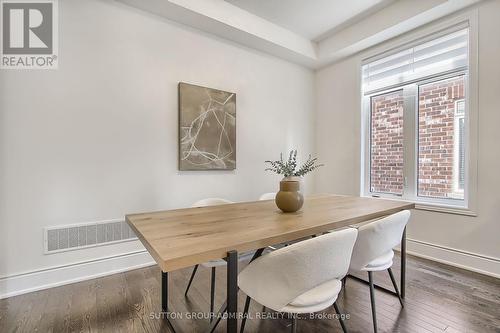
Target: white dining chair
{"points": [[304, 277], [268, 196], [373, 250], [213, 264]]}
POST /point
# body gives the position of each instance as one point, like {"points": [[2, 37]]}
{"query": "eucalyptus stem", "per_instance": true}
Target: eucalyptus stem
{"points": [[289, 167]]}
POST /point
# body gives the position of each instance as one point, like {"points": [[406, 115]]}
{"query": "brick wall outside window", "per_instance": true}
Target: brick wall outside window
{"points": [[436, 140], [436, 156], [386, 172]]}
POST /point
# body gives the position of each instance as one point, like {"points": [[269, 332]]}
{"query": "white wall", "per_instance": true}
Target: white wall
{"points": [[461, 240], [97, 138]]}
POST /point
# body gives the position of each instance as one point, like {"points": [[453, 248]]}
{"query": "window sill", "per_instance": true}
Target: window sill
{"points": [[432, 206], [445, 208]]}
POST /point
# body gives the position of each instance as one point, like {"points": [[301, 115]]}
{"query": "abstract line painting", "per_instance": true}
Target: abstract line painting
{"points": [[207, 128]]}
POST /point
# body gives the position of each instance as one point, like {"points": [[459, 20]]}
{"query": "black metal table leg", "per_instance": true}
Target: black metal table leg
{"points": [[191, 280], [257, 254], [232, 291], [164, 299], [218, 317], [245, 314], [212, 293], [403, 264], [164, 291]]}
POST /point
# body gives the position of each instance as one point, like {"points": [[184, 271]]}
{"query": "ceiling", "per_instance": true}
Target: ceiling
{"points": [[312, 33], [311, 19]]}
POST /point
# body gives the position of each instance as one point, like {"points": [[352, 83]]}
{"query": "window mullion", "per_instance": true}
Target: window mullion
{"points": [[366, 132], [410, 138]]}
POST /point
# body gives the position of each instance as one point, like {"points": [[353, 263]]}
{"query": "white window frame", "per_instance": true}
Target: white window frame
{"points": [[468, 205]]}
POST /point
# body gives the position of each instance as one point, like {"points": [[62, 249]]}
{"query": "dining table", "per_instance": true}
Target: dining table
{"points": [[181, 238]]}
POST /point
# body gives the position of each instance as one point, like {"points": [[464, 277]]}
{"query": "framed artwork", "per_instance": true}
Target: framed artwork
{"points": [[207, 128]]}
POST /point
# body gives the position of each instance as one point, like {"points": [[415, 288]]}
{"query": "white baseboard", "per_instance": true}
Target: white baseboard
{"points": [[57, 276], [454, 257]]}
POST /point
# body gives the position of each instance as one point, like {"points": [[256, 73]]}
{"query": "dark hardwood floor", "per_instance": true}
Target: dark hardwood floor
{"points": [[439, 298]]}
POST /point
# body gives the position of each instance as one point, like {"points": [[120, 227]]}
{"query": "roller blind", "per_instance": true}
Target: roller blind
{"points": [[435, 56]]}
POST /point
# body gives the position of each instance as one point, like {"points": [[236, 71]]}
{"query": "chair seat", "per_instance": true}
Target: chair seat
{"points": [[313, 300], [381, 263], [308, 309], [221, 262], [316, 299]]}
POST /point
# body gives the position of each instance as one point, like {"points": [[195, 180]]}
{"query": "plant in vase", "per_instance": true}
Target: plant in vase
{"points": [[289, 198]]}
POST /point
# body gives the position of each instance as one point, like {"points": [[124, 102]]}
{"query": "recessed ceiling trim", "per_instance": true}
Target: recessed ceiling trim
{"points": [[395, 20], [230, 22]]}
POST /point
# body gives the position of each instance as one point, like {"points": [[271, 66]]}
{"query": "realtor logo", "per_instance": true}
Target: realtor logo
{"points": [[29, 34]]}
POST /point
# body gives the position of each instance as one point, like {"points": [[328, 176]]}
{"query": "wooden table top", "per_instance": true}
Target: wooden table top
{"points": [[184, 237]]}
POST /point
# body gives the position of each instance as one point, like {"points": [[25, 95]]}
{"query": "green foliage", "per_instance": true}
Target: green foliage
{"points": [[288, 168]]}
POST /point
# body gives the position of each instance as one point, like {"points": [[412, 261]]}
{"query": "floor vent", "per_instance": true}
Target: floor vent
{"points": [[78, 236]]}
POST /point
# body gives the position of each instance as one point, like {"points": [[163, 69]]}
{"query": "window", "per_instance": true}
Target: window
{"points": [[416, 121]]}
